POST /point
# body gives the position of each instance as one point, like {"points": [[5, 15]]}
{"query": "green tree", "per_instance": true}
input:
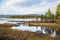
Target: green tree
{"points": [[48, 14], [42, 17], [53, 17], [58, 12]]}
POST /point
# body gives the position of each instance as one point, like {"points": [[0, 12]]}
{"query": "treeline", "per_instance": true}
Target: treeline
{"points": [[24, 16]]}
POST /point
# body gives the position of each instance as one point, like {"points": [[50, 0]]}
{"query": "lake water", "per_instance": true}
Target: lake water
{"points": [[24, 27]]}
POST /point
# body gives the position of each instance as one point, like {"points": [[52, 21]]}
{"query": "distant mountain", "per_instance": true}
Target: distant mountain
{"points": [[2, 16], [5, 16], [33, 14]]}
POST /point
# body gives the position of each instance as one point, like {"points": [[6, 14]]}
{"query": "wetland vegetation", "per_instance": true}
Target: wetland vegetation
{"points": [[12, 34]]}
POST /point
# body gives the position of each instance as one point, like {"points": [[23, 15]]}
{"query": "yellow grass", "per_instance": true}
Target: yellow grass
{"points": [[9, 34], [6, 25]]}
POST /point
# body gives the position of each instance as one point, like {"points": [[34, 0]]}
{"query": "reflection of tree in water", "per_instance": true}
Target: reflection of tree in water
{"points": [[50, 31], [58, 31]]}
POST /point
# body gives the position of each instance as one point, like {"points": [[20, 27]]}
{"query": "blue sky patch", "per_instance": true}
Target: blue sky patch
{"points": [[2, 2]]}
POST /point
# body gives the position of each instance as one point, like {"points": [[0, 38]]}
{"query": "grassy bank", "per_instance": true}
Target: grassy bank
{"points": [[6, 25], [9, 34]]}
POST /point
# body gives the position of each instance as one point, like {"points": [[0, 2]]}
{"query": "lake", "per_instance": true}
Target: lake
{"points": [[25, 27]]}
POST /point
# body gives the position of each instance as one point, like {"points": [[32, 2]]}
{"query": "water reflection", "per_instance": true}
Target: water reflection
{"points": [[26, 28], [22, 27], [36, 29]]}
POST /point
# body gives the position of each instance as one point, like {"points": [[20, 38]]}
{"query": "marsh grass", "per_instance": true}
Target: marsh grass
{"points": [[10, 34]]}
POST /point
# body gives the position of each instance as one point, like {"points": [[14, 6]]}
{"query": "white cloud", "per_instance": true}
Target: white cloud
{"points": [[10, 7]]}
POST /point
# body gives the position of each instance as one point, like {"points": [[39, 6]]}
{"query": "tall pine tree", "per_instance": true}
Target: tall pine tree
{"points": [[58, 12], [48, 15]]}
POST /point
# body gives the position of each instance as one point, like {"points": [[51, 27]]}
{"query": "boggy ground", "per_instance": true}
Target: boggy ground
{"points": [[43, 24], [10, 34], [7, 25]]}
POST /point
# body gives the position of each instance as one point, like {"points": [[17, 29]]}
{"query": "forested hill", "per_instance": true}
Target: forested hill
{"points": [[25, 16], [3, 16]]}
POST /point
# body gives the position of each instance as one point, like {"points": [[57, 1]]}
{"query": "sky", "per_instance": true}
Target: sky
{"points": [[23, 7]]}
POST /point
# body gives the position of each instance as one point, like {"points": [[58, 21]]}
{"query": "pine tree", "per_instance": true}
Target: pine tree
{"points": [[58, 12], [48, 15]]}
